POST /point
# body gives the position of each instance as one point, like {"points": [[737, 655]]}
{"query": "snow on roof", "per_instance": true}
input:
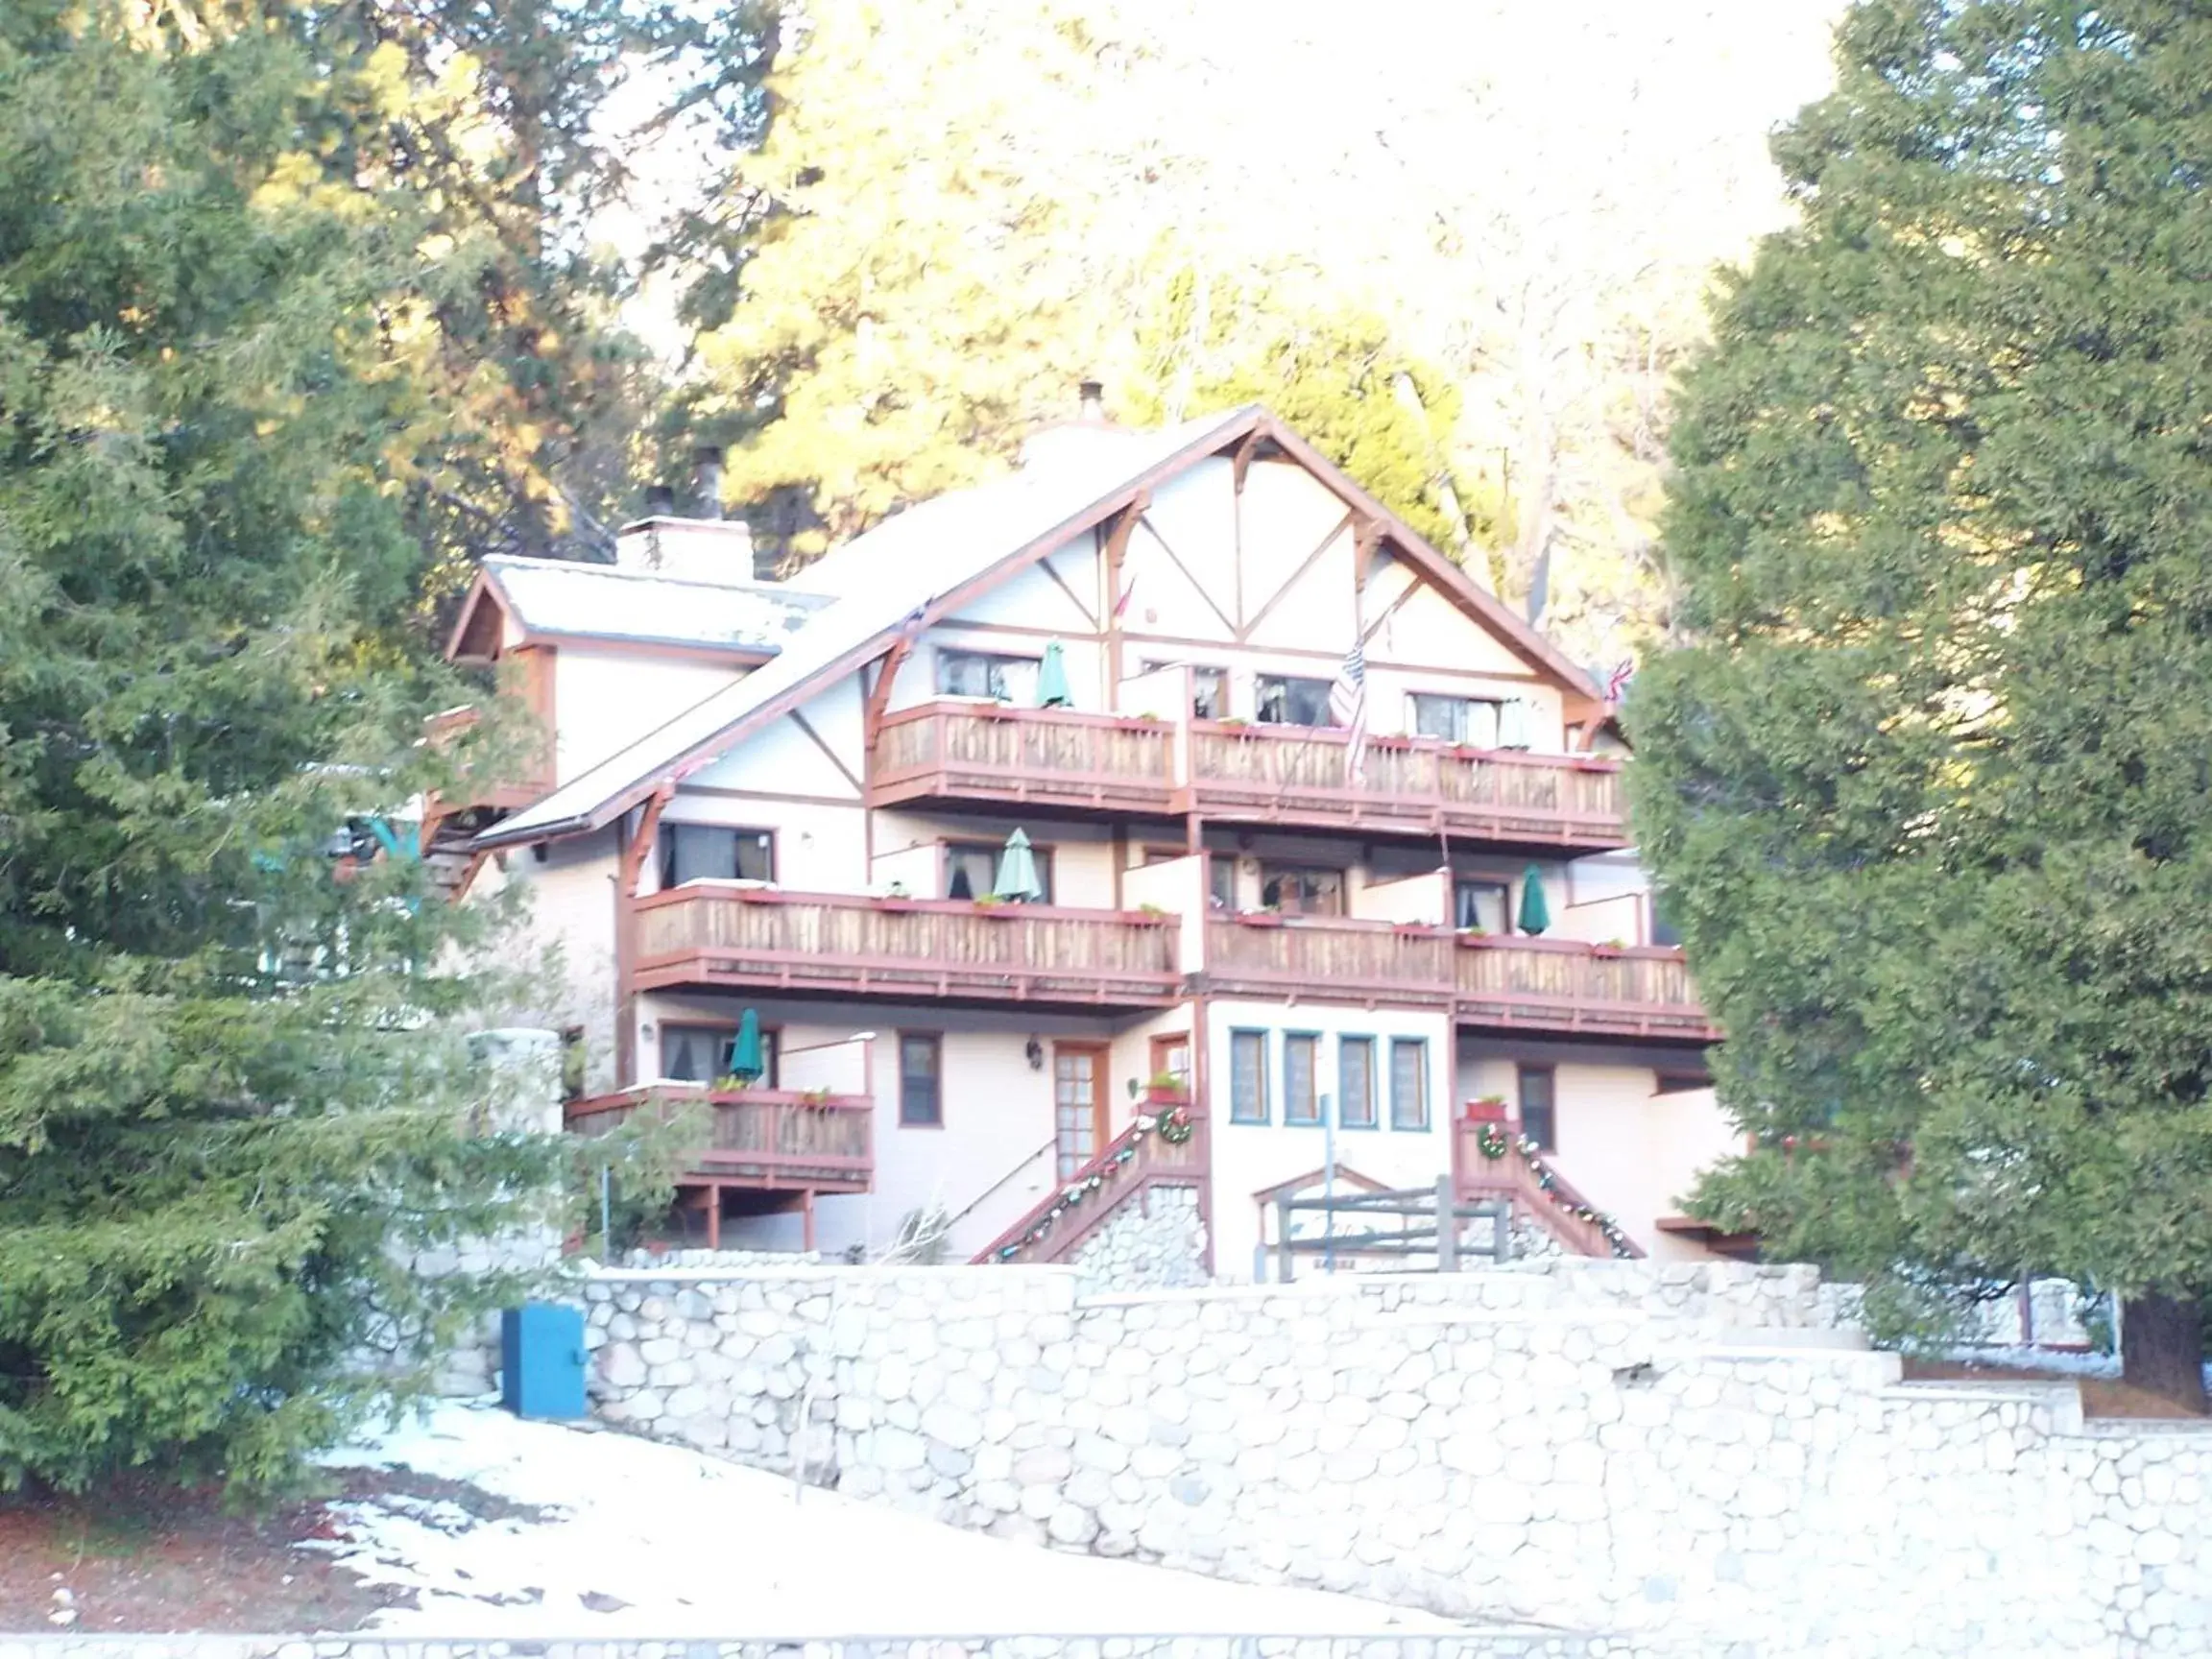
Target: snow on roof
{"points": [[874, 583], [606, 602]]}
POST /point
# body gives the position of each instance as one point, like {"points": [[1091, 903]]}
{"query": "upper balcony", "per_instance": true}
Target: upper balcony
{"points": [[961, 750], [1552, 985], [1297, 777], [740, 937], [1300, 776]]}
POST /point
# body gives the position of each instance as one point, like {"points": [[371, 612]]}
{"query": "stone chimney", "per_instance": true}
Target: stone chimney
{"points": [[660, 502]]}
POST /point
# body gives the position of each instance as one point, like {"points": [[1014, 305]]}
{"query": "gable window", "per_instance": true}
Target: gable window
{"points": [[1408, 1083], [1468, 721], [1356, 1082], [1285, 700], [702, 1053], [1301, 1077], [708, 853], [972, 869], [983, 674], [921, 1079], [1297, 891], [1539, 1106], [1247, 1077], [1481, 908]]}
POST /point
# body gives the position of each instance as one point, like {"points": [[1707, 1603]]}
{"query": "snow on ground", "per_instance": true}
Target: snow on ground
{"points": [[647, 1539]]}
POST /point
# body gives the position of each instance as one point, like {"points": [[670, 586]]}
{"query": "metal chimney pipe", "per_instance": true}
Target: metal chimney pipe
{"points": [[660, 502], [707, 459], [1092, 402]]}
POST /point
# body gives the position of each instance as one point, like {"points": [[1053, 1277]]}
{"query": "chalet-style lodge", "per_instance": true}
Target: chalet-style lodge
{"points": [[1170, 771]]}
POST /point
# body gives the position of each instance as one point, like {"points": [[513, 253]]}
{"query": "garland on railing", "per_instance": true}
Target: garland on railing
{"points": [[1491, 1142], [1174, 1126]]}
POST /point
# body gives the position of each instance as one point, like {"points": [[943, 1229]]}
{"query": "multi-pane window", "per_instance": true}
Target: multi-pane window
{"points": [[1539, 1107], [983, 674], [1247, 1077], [1408, 1083], [1302, 892], [708, 853], [922, 1079], [703, 1053], [972, 869], [1286, 699], [1209, 694], [1480, 906], [1221, 881], [1301, 1077], [1471, 721], [1356, 1082]]}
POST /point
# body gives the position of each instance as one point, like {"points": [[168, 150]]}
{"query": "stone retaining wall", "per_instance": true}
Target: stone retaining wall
{"points": [[1473, 1645], [1154, 1241], [1672, 1451]]}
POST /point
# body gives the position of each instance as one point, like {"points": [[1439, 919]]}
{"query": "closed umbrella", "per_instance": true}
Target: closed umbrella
{"points": [[1018, 872], [1535, 914], [745, 1056], [1052, 679]]}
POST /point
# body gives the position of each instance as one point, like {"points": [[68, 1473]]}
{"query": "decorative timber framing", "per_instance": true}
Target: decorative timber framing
{"points": [[630, 873], [1296, 576], [879, 694], [1112, 552]]}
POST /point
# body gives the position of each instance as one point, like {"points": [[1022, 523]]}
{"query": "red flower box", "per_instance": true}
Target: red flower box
{"points": [[1485, 1111]]}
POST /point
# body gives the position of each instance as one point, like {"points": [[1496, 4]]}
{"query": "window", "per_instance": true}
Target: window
{"points": [[972, 869], [1662, 931], [1480, 906], [1301, 892], [705, 853], [1209, 693], [702, 1053], [921, 1079], [1539, 1110], [1286, 701], [1472, 721], [1247, 1077], [979, 674], [1356, 1082], [1679, 1082], [1408, 1083], [1301, 1077], [1221, 881]]}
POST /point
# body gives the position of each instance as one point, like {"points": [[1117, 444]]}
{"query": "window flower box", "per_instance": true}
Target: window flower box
{"points": [[1489, 1109]]}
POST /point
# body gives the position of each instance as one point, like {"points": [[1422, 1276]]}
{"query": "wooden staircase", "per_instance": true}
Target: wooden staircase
{"points": [[1537, 1192], [1132, 1165]]}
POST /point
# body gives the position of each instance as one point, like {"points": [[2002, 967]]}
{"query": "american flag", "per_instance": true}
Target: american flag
{"points": [[1348, 707]]}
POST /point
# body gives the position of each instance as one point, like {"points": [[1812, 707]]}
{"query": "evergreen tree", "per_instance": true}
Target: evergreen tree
{"points": [[1926, 779], [227, 1111]]}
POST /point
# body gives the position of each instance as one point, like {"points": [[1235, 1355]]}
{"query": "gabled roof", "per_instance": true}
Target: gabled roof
{"points": [[924, 563], [565, 599]]}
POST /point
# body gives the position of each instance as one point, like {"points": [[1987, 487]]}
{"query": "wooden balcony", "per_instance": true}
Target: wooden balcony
{"points": [[1299, 776], [727, 935], [773, 1139], [966, 751], [1523, 984]]}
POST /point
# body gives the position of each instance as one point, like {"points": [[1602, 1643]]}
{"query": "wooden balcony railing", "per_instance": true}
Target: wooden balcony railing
{"points": [[1539, 984], [994, 751], [1563, 985], [712, 933], [771, 1139], [1128, 1168], [1299, 775]]}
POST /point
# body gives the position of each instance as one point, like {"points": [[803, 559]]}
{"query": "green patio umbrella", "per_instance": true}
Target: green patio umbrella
{"points": [[1052, 679], [1018, 872], [745, 1056], [1535, 914]]}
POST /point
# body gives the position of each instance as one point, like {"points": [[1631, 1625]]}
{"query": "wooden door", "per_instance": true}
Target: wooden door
{"points": [[1078, 1103]]}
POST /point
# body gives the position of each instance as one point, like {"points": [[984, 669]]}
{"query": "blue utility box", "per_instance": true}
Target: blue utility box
{"points": [[541, 1361]]}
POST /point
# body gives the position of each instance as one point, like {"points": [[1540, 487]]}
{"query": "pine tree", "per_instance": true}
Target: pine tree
{"points": [[1927, 778], [228, 1112]]}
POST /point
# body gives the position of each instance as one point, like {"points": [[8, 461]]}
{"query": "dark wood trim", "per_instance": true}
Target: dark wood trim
{"points": [[879, 694], [965, 625], [717, 793], [1060, 581], [1112, 553], [1102, 1130], [1196, 587], [1183, 643], [1242, 463], [860, 789], [1245, 634]]}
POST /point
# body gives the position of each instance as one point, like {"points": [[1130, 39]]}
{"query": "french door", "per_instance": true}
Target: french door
{"points": [[1078, 1103]]}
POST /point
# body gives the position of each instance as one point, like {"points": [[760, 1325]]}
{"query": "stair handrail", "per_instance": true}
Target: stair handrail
{"points": [[1104, 1166]]}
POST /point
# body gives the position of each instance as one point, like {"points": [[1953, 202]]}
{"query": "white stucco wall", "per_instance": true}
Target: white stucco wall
{"points": [[606, 699]]}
